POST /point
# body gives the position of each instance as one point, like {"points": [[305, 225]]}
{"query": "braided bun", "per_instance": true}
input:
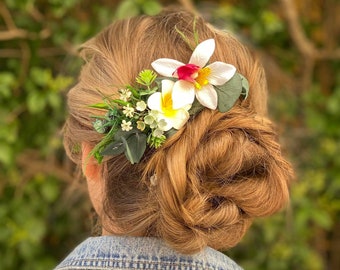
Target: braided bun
{"points": [[215, 176]]}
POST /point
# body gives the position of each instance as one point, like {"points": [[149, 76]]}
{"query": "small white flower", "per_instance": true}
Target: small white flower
{"points": [[195, 78], [126, 126], [162, 124], [157, 133], [125, 94], [128, 111], [149, 119], [140, 125], [141, 106]]}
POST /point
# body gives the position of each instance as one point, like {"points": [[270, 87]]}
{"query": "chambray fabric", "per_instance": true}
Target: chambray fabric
{"points": [[112, 252]]}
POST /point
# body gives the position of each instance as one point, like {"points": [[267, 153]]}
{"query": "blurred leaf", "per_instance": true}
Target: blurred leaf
{"points": [[36, 102], [7, 81], [127, 8]]}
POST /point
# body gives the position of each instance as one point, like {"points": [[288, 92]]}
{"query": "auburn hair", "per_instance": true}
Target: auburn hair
{"points": [[210, 179]]}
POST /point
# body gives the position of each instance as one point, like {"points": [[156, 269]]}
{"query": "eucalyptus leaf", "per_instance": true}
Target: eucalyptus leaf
{"points": [[170, 132], [135, 146], [245, 86], [229, 93], [124, 134], [196, 107], [113, 149]]}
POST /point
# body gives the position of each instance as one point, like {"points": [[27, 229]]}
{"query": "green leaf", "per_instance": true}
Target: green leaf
{"points": [[41, 76], [245, 86], [100, 106], [134, 92], [132, 143], [113, 149], [170, 132], [196, 37], [146, 92], [126, 9], [36, 102], [135, 146], [120, 102], [6, 154], [146, 77], [7, 82], [196, 107], [229, 93], [185, 38], [151, 7], [121, 133]]}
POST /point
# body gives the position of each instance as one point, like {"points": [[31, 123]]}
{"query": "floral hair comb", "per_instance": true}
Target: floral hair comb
{"points": [[150, 112]]}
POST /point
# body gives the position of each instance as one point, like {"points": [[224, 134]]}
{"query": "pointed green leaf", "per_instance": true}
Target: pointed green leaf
{"points": [[229, 93], [120, 102], [133, 91], [100, 106], [135, 146], [98, 157]]}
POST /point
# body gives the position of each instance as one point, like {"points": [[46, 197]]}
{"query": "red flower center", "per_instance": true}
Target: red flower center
{"points": [[188, 72]]}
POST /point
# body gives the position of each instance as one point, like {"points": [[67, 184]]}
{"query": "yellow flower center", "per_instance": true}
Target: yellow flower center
{"points": [[201, 79], [167, 105]]}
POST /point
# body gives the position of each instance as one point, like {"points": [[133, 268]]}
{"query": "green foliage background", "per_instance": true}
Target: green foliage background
{"points": [[44, 212]]}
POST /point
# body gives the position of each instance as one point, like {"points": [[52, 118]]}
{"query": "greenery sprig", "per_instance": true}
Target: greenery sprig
{"points": [[128, 125]]}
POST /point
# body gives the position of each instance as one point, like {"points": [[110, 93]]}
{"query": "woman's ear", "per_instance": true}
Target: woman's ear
{"points": [[95, 184], [90, 167]]}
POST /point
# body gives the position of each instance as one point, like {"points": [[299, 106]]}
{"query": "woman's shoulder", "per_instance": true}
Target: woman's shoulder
{"points": [[114, 252]]}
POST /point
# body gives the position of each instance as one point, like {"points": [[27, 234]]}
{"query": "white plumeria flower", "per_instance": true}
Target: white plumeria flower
{"points": [[163, 104], [128, 111], [195, 78], [126, 126]]}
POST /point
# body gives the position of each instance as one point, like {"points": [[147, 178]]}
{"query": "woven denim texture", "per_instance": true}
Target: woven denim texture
{"points": [[113, 252]]}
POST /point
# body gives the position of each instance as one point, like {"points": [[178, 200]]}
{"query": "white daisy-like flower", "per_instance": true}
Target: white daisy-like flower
{"points": [[162, 103], [195, 78], [128, 111], [126, 126], [125, 94], [141, 106]]}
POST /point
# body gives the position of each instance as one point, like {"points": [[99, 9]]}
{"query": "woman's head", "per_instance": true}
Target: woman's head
{"points": [[209, 180]]}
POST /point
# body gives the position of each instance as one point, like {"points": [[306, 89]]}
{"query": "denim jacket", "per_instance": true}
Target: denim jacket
{"points": [[114, 252]]}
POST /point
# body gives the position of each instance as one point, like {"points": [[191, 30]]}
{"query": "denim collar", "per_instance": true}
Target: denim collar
{"points": [[115, 252]]}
